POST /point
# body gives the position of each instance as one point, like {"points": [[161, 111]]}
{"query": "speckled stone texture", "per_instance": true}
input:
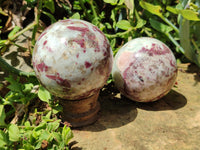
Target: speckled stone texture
{"points": [[72, 59], [144, 69]]}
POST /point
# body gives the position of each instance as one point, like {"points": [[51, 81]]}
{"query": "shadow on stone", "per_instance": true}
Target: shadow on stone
{"points": [[25, 56], [192, 68], [115, 111], [172, 101], [13, 58], [72, 146]]}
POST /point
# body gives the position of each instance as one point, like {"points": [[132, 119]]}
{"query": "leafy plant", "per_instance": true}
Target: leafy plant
{"points": [[35, 130], [22, 125], [47, 134], [188, 34], [189, 31]]}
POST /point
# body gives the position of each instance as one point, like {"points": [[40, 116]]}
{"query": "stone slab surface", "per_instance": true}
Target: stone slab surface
{"points": [[171, 123]]}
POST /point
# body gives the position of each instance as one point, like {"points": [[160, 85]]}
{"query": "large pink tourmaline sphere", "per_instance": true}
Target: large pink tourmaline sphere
{"points": [[72, 59], [144, 69]]}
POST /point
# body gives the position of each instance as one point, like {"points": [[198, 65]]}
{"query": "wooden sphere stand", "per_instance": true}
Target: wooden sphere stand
{"points": [[80, 112]]}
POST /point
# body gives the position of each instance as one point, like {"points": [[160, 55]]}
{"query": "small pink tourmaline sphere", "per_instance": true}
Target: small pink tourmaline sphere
{"points": [[144, 69], [72, 59]]}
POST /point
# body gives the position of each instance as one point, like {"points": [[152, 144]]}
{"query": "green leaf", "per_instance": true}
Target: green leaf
{"points": [[28, 146], [2, 116], [172, 10], [190, 15], [160, 26], [14, 84], [45, 136], [186, 13], [154, 9], [38, 145], [13, 32], [190, 52], [3, 43], [36, 134], [49, 4], [56, 108], [185, 37], [66, 134], [41, 126], [140, 23], [13, 132], [47, 117], [112, 16], [120, 2], [193, 6], [108, 25], [52, 126], [57, 136], [31, 3], [109, 80], [50, 16], [75, 16], [2, 12], [27, 125], [44, 95], [195, 30], [112, 2], [123, 24], [28, 87], [113, 43], [3, 139]]}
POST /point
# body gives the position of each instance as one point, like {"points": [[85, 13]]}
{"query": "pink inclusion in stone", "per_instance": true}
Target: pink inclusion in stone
{"points": [[172, 63], [155, 50], [45, 42], [41, 67], [77, 55], [81, 29], [49, 49], [81, 42], [87, 64], [42, 35], [59, 80], [105, 54], [66, 20], [97, 29]]}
